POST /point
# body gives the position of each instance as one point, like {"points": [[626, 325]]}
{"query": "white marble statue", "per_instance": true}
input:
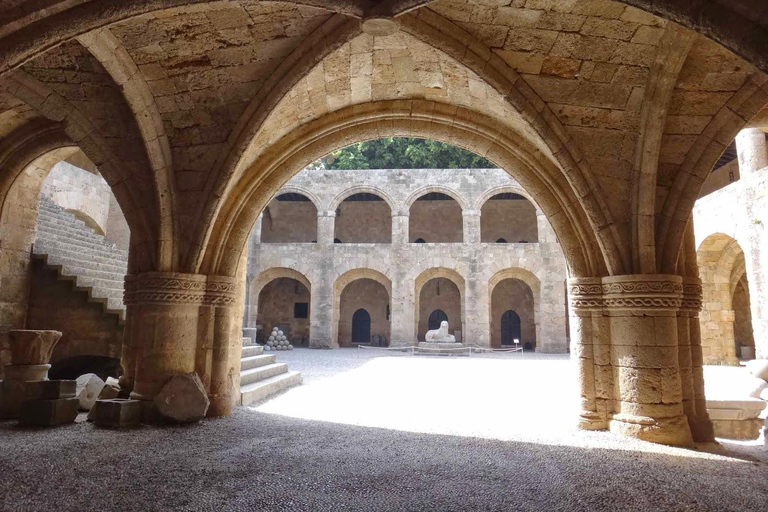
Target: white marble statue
{"points": [[440, 335]]}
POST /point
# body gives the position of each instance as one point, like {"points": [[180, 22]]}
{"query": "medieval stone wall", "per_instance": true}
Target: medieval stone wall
{"points": [[410, 270]]}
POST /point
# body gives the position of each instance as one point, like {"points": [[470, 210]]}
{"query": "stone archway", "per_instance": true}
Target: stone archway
{"points": [[291, 280], [439, 288], [512, 297], [722, 269], [361, 288]]}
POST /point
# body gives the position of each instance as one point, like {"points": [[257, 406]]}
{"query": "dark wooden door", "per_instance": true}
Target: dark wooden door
{"points": [[435, 318], [510, 327], [361, 326]]}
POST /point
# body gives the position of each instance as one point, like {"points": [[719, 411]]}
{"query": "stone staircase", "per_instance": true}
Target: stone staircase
{"points": [[261, 377], [80, 255]]}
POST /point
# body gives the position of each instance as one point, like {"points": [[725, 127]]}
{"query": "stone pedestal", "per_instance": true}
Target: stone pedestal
{"points": [[48, 413], [116, 413], [438, 348], [736, 419], [30, 353]]}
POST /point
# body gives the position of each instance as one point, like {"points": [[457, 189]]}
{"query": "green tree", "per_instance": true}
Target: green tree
{"points": [[404, 153]]}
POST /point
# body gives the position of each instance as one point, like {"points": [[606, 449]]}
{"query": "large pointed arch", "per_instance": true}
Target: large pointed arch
{"points": [[467, 129]]}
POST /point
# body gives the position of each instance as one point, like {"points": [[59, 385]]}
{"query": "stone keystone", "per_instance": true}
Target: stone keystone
{"points": [[32, 347], [183, 399]]}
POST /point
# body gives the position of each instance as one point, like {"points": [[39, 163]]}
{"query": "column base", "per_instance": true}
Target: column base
{"points": [[670, 431], [322, 344], [591, 420]]}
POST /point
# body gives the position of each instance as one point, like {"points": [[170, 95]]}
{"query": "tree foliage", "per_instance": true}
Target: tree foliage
{"points": [[404, 153]]}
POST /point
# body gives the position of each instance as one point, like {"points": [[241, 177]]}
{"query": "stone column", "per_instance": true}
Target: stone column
{"points": [[644, 352], [471, 226], [752, 150], [325, 227], [590, 351], [691, 363], [400, 226], [182, 323]]}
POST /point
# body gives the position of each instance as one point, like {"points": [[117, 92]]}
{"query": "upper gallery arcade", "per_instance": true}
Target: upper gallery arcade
{"points": [[609, 115]]}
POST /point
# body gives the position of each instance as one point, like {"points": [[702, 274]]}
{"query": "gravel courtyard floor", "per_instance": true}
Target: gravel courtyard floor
{"points": [[394, 433]]}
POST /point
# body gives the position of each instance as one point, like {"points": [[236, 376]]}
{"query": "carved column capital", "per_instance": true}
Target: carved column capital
{"points": [[692, 295], [642, 295]]}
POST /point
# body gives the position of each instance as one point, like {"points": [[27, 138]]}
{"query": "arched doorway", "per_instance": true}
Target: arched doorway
{"points": [[361, 326], [284, 303], [510, 327], [363, 217], [437, 217], [290, 217], [436, 318], [508, 217]]}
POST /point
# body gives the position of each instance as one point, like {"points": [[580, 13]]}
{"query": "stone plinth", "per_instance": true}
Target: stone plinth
{"points": [[736, 419], [48, 413], [439, 348]]}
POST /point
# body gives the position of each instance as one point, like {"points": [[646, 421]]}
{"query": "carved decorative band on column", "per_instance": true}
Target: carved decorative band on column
{"points": [[642, 295], [585, 294], [169, 288], [692, 295]]}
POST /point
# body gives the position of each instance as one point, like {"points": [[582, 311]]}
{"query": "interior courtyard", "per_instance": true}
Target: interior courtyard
{"points": [[204, 306]]}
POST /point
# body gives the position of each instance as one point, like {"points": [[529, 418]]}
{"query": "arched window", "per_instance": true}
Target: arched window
{"points": [[361, 326], [436, 318], [510, 327], [501, 241], [420, 241]]}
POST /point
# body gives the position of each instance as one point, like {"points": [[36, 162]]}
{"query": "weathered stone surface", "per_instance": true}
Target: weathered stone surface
{"points": [[183, 399], [47, 413], [50, 389], [32, 347], [111, 389], [737, 429], [116, 413], [88, 388]]}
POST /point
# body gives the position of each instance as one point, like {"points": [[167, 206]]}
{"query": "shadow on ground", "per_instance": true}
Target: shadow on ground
{"points": [[257, 461]]}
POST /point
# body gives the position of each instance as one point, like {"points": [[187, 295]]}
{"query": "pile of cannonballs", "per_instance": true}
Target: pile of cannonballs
{"points": [[277, 341]]}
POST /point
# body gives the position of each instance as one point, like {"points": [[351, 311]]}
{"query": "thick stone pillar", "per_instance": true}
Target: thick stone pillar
{"points": [[400, 225], [471, 226], [321, 328], [477, 312], [644, 352], [590, 351], [182, 323], [402, 318], [325, 227], [752, 150]]}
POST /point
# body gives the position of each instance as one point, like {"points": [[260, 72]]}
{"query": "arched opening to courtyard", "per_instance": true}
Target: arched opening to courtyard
{"points": [[513, 314], [363, 218], [435, 217], [726, 319], [291, 217], [439, 294], [283, 302], [508, 217], [362, 308]]}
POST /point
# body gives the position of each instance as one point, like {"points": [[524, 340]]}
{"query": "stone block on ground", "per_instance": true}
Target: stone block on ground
{"points": [[88, 388], [48, 413], [116, 413], [183, 399], [758, 368], [748, 429], [49, 389], [111, 389]]}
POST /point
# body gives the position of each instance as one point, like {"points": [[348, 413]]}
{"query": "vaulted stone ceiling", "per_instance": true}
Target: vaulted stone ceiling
{"points": [[176, 100]]}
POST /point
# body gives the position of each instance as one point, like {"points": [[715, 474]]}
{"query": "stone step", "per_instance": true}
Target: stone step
{"points": [[252, 350], [248, 363], [259, 391], [57, 260], [261, 373], [74, 252], [98, 242], [100, 284], [65, 221]]}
